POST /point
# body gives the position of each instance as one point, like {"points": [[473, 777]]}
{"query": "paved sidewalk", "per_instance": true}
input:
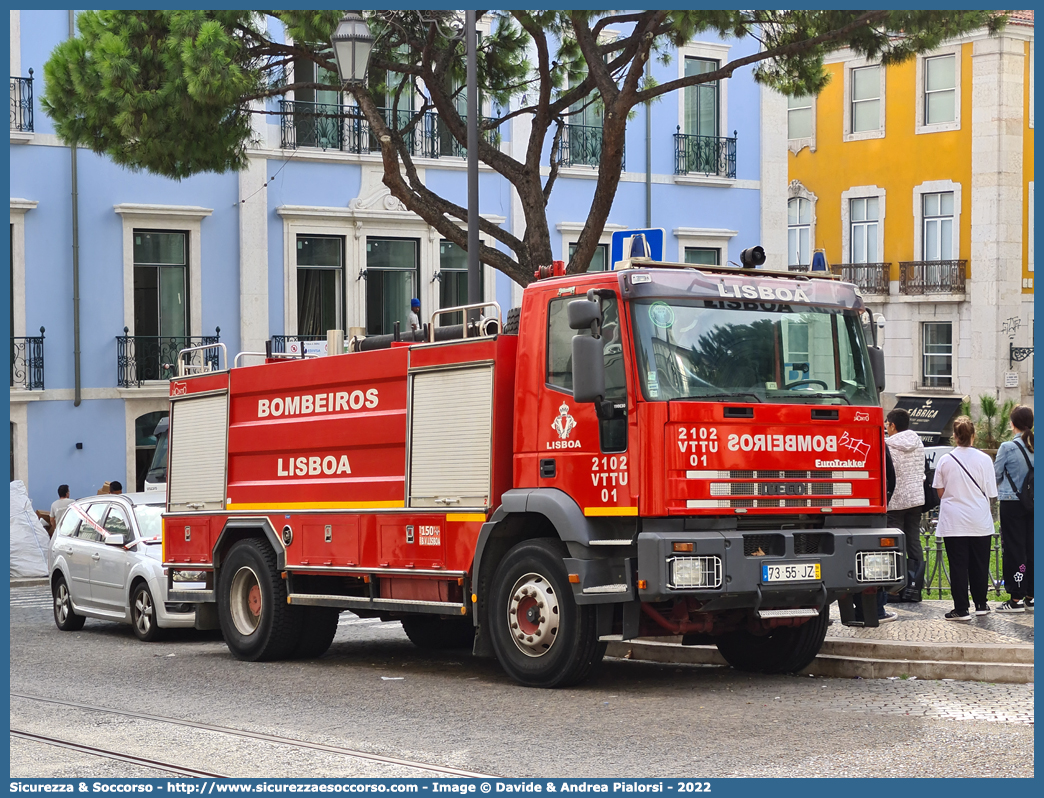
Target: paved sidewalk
{"points": [[921, 644]]}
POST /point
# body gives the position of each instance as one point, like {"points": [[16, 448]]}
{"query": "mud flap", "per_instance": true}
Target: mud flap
{"points": [[868, 601], [207, 617], [632, 613]]}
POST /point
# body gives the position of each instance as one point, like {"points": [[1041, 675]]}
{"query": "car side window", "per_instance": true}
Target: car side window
{"points": [[89, 531], [116, 523], [70, 522]]}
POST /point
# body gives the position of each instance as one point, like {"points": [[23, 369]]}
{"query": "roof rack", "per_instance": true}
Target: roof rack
{"points": [[646, 263]]}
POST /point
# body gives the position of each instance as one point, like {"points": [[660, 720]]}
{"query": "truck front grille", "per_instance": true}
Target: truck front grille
{"points": [[764, 545]]}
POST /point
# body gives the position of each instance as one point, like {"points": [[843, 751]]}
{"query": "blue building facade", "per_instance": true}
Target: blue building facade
{"points": [[307, 239]]}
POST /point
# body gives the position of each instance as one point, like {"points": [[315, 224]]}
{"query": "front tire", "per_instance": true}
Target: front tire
{"points": [[786, 649], [256, 621], [431, 633], [143, 614], [64, 617], [541, 637]]}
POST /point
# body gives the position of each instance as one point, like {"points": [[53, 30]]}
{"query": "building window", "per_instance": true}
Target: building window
{"points": [[866, 99], [940, 89], [863, 231], [938, 355], [701, 102], [708, 256], [320, 281], [799, 117], [392, 278], [160, 284], [600, 259], [938, 226], [799, 233], [453, 281]]}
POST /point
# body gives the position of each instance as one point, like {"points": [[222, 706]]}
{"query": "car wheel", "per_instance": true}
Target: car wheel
{"points": [[143, 614], [64, 617], [541, 637], [256, 621]]}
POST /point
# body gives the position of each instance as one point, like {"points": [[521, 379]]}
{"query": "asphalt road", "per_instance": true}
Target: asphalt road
{"points": [[374, 692]]}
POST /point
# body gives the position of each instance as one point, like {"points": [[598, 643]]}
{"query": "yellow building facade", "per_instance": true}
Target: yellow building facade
{"points": [[916, 182]]}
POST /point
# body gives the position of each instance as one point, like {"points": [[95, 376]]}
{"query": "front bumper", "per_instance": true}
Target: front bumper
{"points": [[741, 555]]}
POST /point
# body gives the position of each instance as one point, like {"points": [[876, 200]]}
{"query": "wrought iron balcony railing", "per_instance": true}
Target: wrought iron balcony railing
{"points": [[343, 127], [27, 362], [581, 145], [871, 278], [707, 155], [920, 277], [154, 357], [22, 103]]}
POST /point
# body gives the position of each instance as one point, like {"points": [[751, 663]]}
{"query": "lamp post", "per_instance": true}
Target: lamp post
{"points": [[352, 44]]}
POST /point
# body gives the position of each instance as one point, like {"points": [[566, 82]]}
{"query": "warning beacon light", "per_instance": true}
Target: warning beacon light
{"points": [[752, 257]]}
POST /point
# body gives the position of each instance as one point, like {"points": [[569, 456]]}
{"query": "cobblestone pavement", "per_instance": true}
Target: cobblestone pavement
{"points": [[924, 623]]}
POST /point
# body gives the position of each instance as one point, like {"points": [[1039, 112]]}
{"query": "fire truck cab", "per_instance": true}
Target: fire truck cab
{"points": [[664, 449]]}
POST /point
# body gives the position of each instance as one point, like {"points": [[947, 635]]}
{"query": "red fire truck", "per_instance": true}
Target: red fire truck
{"points": [[664, 449]]}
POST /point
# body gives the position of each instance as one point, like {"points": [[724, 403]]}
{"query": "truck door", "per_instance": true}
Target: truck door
{"points": [[581, 454]]}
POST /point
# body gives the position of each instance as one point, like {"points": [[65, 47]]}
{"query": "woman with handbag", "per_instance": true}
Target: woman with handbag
{"points": [[965, 484], [1013, 464]]}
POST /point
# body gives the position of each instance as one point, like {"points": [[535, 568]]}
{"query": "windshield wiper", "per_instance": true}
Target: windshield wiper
{"points": [[814, 395], [753, 396]]}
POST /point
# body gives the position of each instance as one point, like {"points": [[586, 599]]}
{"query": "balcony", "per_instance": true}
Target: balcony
{"points": [[27, 362], [871, 278], [140, 358], [920, 277], [581, 145], [705, 155], [22, 104], [344, 128]]}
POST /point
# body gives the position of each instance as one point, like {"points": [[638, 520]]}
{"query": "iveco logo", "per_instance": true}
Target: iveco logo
{"points": [[782, 489]]}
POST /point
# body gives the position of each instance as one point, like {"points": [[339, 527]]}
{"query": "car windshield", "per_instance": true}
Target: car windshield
{"points": [[150, 521], [750, 352]]}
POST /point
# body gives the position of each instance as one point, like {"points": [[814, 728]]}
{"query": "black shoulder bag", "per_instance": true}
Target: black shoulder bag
{"points": [[966, 471]]}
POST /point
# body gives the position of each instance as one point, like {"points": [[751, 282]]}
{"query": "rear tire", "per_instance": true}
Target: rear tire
{"points": [[786, 649], [431, 633], [143, 614], [64, 617], [541, 637], [317, 631], [255, 619]]}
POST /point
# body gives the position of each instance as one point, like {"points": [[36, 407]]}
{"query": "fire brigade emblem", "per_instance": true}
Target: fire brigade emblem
{"points": [[564, 422]]}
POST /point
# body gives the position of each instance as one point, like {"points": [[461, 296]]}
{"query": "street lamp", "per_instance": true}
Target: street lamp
{"points": [[352, 42]]}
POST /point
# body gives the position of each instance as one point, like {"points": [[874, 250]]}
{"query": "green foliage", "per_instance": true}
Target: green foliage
{"points": [[992, 427]]}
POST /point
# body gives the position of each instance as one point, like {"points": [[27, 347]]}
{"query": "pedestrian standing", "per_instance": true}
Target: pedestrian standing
{"points": [[115, 487], [907, 502], [60, 505], [1014, 462], [414, 317], [964, 480]]}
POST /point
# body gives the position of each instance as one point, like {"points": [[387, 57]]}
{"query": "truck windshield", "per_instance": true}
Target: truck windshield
{"points": [[709, 349]]}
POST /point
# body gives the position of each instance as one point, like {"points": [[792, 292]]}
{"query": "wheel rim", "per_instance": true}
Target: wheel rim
{"points": [[143, 612], [532, 615], [61, 603], [246, 601]]}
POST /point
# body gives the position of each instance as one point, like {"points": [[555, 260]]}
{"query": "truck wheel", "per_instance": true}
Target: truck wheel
{"points": [[431, 633], [317, 631], [64, 617], [256, 621], [786, 649], [540, 636], [143, 614]]}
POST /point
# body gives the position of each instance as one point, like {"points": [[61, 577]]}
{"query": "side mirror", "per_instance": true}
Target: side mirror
{"points": [[582, 312], [877, 365], [114, 540], [588, 365]]}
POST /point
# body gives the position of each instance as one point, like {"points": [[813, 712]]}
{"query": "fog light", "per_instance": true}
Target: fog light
{"points": [[877, 566], [689, 572]]}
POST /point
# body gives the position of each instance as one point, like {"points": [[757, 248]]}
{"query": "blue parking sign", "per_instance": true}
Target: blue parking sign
{"points": [[654, 237]]}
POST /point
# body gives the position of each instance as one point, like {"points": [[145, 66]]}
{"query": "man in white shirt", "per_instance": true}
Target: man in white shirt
{"points": [[414, 317], [60, 506]]}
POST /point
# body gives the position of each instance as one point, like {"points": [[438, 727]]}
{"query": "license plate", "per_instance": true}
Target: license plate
{"points": [[789, 572]]}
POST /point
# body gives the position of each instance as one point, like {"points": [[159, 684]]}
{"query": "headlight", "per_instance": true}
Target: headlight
{"points": [[877, 566], [690, 572]]}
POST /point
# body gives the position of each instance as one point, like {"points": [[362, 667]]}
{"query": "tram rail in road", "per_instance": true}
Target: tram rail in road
{"points": [[269, 738]]}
